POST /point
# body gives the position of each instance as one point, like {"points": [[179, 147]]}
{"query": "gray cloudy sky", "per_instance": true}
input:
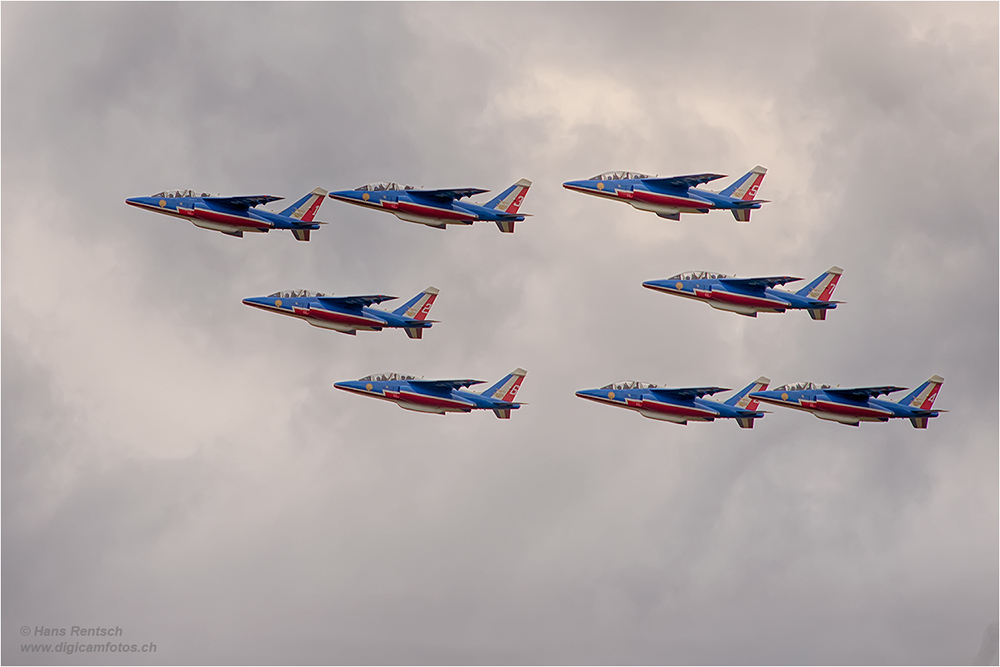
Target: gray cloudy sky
{"points": [[177, 464]]}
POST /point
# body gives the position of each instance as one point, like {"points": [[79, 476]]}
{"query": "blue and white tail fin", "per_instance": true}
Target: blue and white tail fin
{"points": [[509, 201], [745, 188], [305, 210], [742, 400], [821, 289], [505, 390], [922, 398], [418, 308]]}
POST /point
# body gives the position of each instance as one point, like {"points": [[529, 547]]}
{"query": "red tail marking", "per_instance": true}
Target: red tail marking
{"points": [[828, 292], [311, 213], [752, 190]]}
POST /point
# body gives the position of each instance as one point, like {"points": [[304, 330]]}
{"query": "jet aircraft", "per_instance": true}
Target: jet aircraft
{"points": [[235, 215], [851, 406], [749, 296], [670, 196], [438, 208], [680, 405], [440, 396], [350, 314]]}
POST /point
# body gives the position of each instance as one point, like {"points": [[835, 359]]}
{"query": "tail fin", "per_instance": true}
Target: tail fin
{"points": [[305, 208], [419, 306], [506, 389], [745, 187], [822, 288], [922, 398], [509, 201], [741, 399]]}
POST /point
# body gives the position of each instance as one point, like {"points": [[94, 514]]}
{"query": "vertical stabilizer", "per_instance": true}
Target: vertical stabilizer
{"points": [[419, 306], [305, 209], [741, 399], [822, 287], [922, 398], [509, 201], [745, 187], [506, 389]]}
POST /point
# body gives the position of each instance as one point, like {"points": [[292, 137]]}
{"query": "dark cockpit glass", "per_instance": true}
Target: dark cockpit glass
{"points": [[295, 293], [382, 187], [618, 176], [698, 275], [387, 377]]}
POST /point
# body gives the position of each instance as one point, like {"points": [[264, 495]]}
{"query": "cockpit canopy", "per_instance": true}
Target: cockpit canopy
{"points": [[801, 386], [698, 275], [387, 377], [174, 194], [629, 385], [618, 176], [291, 294], [382, 187]]}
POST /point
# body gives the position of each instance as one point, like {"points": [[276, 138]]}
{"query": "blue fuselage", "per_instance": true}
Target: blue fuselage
{"points": [[653, 405]]}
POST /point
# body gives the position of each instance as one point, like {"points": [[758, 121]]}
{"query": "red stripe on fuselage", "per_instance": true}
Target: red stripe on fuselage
{"points": [[433, 401], [223, 218], [666, 200], [679, 410], [433, 211], [846, 410], [339, 318], [740, 299]]}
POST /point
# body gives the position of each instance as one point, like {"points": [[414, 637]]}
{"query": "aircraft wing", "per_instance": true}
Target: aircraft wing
{"points": [[444, 385], [861, 394], [686, 393], [449, 195], [243, 202], [356, 302], [758, 283], [683, 181]]}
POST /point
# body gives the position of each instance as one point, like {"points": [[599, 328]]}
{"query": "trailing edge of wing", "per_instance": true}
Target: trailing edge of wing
{"points": [[759, 283], [357, 302], [862, 393], [686, 393], [448, 195], [684, 181], [243, 202], [445, 385]]}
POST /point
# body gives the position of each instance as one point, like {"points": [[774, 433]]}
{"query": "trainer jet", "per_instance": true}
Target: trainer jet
{"points": [[235, 215], [350, 314], [680, 405], [749, 296], [859, 404], [439, 208], [671, 196], [440, 396]]}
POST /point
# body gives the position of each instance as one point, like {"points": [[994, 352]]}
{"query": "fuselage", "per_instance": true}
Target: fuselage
{"points": [[421, 399], [734, 298], [658, 406], [662, 200], [432, 211], [327, 316], [832, 407], [219, 217]]}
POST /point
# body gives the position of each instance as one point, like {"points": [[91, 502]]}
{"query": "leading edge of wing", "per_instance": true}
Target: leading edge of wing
{"points": [[354, 301], [444, 385], [448, 195], [244, 201], [759, 283], [686, 393], [862, 393], [684, 181]]}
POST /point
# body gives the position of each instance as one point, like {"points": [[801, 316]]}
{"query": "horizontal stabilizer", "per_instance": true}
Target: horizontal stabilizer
{"points": [[502, 413], [861, 394], [758, 283], [444, 385], [243, 202], [415, 332], [745, 422], [686, 393], [683, 181], [354, 302], [301, 234], [506, 226]]}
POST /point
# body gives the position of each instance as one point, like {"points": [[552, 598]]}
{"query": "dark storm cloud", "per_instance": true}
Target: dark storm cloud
{"points": [[178, 464]]}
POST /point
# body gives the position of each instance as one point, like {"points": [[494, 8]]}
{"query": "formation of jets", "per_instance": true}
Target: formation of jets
{"points": [[667, 197]]}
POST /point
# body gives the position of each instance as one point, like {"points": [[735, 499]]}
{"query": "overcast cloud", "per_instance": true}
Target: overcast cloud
{"points": [[177, 464]]}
